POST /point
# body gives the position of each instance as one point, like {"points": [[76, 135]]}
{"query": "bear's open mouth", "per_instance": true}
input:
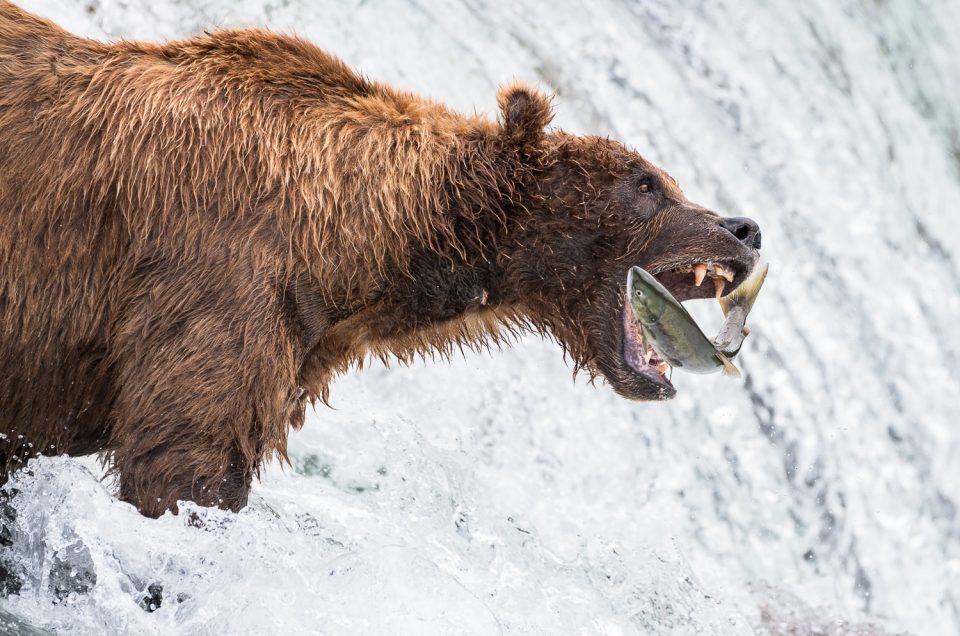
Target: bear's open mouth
{"points": [[684, 282]]}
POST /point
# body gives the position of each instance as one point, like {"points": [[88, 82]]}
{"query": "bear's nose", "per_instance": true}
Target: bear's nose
{"points": [[746, 230]]}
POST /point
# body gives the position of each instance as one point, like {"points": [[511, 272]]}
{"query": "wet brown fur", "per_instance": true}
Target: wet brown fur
{"points": [[199, 235]]}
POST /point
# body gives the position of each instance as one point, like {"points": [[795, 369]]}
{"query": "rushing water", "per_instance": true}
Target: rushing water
{"points": [[492, 495]]}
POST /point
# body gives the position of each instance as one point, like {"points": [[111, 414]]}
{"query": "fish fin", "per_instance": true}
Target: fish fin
{"points": [[729, 369], [746, 293]]}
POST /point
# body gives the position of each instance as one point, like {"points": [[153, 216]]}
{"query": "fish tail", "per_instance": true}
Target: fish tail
{"points": [[746, 293], [729, 369]]}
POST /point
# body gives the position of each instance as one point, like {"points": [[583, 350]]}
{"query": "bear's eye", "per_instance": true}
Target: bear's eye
{"points": [[646, 187]]}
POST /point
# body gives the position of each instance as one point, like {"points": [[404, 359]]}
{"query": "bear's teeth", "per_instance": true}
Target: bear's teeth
{"points": [[721, 272], [719, 284], [662, 368], [699, 273], [648, 355]]}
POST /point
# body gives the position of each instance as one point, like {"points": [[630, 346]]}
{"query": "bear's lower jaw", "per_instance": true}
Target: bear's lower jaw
{"points": [[643, 361]]}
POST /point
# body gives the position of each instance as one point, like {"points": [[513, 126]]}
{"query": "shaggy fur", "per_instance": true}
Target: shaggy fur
{"points": [[198, 236]]}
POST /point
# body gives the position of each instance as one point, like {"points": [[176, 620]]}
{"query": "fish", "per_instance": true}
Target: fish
{"points": [[670, 330], [736, 306]]}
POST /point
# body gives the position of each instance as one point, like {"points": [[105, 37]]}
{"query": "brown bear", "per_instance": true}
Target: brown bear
{"points": [[199, 235]]}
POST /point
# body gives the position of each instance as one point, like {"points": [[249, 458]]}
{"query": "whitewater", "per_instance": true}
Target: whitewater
{"points": [[492, 494]]}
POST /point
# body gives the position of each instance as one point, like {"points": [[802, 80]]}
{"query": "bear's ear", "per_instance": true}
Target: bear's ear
{"points": [[525, 112]]}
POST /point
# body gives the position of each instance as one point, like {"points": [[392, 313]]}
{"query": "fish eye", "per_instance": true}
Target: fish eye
{"points": [[638, 293]]}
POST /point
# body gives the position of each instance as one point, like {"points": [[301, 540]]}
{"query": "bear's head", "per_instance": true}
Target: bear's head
{"points": [[593, 209]]}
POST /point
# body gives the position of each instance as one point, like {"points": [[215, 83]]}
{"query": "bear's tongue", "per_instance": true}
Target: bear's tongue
{"points": [[639, 355]]}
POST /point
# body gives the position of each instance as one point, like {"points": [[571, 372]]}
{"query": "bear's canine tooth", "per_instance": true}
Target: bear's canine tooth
{"points": [[699, 272], [719, 284], [662, 368]]}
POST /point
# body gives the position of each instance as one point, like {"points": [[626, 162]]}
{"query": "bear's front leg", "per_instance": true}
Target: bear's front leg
{"points": [[203, 399], [155, 473]]}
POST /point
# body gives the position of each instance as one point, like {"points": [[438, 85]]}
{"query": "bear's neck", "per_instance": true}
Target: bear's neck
{"points": [[463, 271], [449, 289]]}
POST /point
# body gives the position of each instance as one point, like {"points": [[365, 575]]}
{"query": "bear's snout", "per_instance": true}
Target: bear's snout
{"points": [[745, 229]]}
